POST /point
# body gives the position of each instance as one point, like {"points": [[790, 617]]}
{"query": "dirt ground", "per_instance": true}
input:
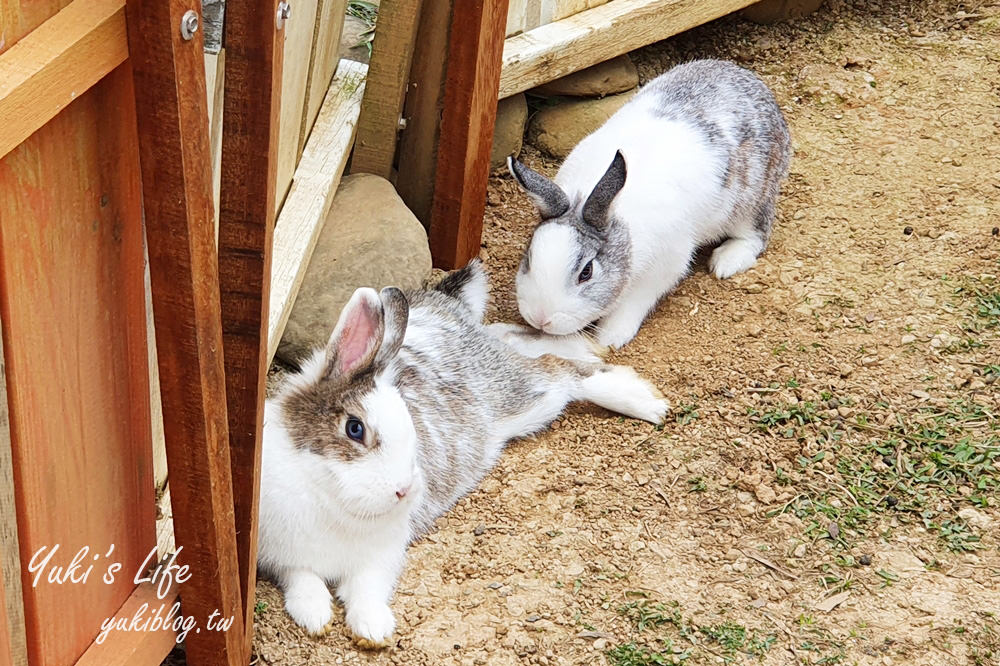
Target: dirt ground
{"points": [[827, 490]]}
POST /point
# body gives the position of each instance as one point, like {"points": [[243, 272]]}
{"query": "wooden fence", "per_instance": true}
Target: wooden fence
{"points": [[157, 210]]}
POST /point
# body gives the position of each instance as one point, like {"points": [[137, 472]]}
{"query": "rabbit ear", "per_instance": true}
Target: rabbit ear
{"points": [[358, 335], [595, 211], [397, 313], [548, 197]]}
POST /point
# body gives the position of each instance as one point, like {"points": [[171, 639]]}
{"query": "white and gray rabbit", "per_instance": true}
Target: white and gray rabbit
{"points": [[705, 148], [404, 411]]}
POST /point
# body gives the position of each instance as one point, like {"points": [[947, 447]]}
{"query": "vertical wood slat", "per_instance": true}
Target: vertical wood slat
{"points": [[250, 142], [385, 88], [424, 99], [72, 302], [322, 62], [472, 83], [177, 196], [12, 645]]}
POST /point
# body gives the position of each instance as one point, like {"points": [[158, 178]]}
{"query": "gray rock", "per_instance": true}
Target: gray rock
{"points": [[607, 78], [352, 46], [508, 133], [557, 129], [774, 11], [370, 239]]}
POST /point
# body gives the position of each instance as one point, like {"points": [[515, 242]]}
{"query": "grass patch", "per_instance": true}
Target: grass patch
{"points": [[670, 639], [924, 468]]}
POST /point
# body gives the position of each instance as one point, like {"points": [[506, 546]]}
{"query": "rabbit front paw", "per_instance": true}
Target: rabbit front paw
{"points": [[311, 606], [372, 625]]}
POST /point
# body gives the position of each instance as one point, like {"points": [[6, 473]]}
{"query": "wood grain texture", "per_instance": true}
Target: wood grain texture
{"points": [[322, 61], [56, 63], [422, 110], [313, 188], [11, 604], [463, 155], [177, 197], [71, 253], [388, 73], [571, 44], [6, 657], [136, 648], [297, 38], [215, 78], [252, 120]]}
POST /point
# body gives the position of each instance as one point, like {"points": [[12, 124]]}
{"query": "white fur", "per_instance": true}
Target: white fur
{"points": [[673, 201], [323, 521]]}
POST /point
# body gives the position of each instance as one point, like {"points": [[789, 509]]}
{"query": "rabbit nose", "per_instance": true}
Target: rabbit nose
{"points": [[401, 493]]}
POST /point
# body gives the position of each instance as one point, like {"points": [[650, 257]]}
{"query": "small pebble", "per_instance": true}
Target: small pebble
{"points": [[800, 551], [480, 530], [833, 529], [907, 230], [600, 643], [864, 560], [908, 338], [996, 231]]}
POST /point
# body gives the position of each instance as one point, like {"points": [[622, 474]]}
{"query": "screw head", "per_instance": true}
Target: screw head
{"points": [[284, 13], [189, 24]]}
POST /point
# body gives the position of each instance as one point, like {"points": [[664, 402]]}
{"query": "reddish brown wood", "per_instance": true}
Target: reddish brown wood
{"points": [[246, 224], [177, 196], [472, 84], [136, 648], [73, 307]]}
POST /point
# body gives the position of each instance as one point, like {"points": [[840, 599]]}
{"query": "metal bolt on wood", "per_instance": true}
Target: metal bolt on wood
{"points": [[189, 24], [284, 13]]}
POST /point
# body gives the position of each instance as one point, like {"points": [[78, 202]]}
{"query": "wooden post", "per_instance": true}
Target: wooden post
{"points": [[250, 133], [388, 73], [176, 165], [12, 642], [467, 108]]}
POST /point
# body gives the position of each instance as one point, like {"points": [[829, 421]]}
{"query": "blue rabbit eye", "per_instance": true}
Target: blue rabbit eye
{"points": [[355, 429], [587, 271]]}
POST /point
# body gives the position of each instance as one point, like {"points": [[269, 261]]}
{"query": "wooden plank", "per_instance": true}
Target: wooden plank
{"points": [[422, 110], [308, 203], [71, 252], [56, 63], [253, 126], [174, 153], [11, 604], [388, 72], [137, 648], [297, 38], [323, 61], [215, 78], [563, 47], [463, 156]]}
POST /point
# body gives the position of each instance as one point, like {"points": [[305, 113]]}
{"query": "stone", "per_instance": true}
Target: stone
{"points": [[508, 133], [774, 11], [607, 78], [975, 518], [557, 129], [370, 239], [353, 44], [908, 338], [764, 494]]}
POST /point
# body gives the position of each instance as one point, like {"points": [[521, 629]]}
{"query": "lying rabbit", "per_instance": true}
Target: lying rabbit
{"points": [[404, 412], [705, 148]]}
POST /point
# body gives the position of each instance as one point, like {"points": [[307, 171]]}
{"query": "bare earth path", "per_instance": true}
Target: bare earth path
{"points": [[828, 490]]}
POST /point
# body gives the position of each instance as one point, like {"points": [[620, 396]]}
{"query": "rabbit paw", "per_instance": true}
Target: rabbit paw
{"points": [[371, 625], [312, 612], [734, 256]]}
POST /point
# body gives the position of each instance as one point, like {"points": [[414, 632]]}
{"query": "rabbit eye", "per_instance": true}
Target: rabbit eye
{"points": [[355, 429], [587, 272]]}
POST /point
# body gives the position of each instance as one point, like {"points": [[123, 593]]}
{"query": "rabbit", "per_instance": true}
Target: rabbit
{"points": [[405, 410], [696, 157]]}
